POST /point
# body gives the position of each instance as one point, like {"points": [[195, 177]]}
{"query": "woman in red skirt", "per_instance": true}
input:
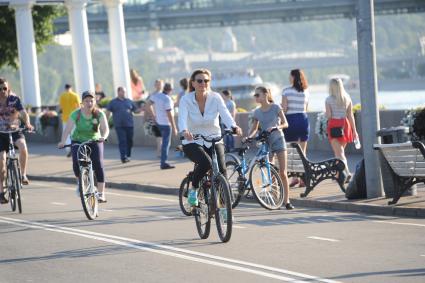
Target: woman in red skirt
{"points": [[341, 125]]}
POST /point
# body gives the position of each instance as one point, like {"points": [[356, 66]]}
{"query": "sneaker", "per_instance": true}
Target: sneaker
{"points": [[289, 206], [193, 197], [167, 166], [125, 160], [69, 154], [3, 198], [294, 182], [101, 198], [25, 180]]}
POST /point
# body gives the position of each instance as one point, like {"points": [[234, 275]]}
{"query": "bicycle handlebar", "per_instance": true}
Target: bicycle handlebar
{"points": [[78, 144], [208, 139], [24, 129]]}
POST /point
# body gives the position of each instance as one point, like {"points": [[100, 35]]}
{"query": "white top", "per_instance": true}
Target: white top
{"points": [[296, 100], [338, 112], [191, 119], [162, 104]]}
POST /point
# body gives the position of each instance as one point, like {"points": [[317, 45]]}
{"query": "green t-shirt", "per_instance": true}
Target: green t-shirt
{"points": [[83, 130]]}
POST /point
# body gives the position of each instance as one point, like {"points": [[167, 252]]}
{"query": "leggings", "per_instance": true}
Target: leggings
{"points": [[96, 158], [201, 156]]}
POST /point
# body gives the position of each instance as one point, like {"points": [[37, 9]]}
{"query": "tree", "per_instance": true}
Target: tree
{"points": [[43, 17]]}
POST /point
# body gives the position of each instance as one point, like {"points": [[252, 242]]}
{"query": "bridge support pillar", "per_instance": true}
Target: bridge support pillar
{"points": [[81, 56], [368, 94], [118, 43], [28, 66]]}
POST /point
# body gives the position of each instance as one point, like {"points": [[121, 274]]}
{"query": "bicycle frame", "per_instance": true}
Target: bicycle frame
{"points": [[84, 161]]}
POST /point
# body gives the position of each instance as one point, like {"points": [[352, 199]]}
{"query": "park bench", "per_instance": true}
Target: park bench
{"points": [[406, 163], [314, 172]]}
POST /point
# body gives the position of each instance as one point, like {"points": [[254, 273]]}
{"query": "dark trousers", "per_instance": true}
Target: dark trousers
{"points": [[201, 156], [125, 141], [96, 158], [166, 139]]}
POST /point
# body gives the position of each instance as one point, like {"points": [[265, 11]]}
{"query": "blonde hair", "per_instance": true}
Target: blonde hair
{"points": [[337, 91], [265, 91]]}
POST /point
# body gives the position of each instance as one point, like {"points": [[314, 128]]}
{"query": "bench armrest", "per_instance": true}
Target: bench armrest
{"points": [[392, 145]]}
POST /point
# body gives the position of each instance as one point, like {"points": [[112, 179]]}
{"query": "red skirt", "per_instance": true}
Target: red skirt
{"points": [[348, 131]]}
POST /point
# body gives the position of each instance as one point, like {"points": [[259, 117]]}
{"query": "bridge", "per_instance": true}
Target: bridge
{"points": [[182, 14]]}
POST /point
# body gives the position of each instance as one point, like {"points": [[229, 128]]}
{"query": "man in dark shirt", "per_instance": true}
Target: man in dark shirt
{"points": [[122, 110], [10, 110]]}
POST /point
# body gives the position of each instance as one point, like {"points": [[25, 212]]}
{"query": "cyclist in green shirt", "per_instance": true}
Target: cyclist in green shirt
{"points": [[88, 124]]}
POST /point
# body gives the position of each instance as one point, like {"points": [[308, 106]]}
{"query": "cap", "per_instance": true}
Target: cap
{"points": [[86, 94]]}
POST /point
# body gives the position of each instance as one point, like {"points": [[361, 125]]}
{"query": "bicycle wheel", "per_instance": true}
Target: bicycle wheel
{"points": [[223, 208], [18, 186], [11, 186], [268, 192], [236, 186], [88, 194], [202, 216], [184, 189]]}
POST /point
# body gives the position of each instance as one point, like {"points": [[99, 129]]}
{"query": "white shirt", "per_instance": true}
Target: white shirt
{"points": [[162, 104], [191, 119]]}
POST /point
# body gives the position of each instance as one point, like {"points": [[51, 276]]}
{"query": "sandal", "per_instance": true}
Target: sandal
{"points": [[294, 182]]}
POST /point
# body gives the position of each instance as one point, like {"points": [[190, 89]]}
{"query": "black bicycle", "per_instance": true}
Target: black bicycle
{"points": [[214, 199], [13, 176], [87, 181]]}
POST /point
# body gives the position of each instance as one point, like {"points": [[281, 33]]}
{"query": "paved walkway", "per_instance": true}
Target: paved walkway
{"points": [[143, 173]]}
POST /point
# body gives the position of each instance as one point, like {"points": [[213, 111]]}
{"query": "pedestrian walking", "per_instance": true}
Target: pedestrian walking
{"points": [[229, 140], [164, 117], [158, 85], [137, 86], [270, 117], [88, 124], [184, 84], [341, 125], [294, 105], [122, 110], [68, 102]]}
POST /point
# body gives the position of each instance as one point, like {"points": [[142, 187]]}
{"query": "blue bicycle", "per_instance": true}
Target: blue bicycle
{"points": [[257, 175]]}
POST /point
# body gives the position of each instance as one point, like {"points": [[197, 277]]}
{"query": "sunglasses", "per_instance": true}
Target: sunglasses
{"points": [[257, 95], [3, 88], [199, 81]]}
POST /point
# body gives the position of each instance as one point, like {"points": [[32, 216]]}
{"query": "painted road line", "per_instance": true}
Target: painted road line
{"points": [[58, 203], [243, 266], [422, 255], [399, 223], [323, 239]]}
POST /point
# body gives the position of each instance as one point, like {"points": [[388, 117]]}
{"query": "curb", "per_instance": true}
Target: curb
{"points": [[302, 202]]}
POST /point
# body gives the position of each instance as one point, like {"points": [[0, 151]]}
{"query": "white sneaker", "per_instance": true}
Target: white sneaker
{"points": [[101, 198]]}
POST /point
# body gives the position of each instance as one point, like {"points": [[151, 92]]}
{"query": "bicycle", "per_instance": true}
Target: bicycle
{"points": [[214, 200], [86, 181], [263, 181], [13, 176]]}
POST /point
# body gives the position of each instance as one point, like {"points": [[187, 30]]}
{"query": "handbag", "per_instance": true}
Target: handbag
{"points": [[337, 132]]}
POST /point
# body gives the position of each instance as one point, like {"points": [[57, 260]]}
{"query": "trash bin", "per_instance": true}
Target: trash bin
{"points": [[388, 136]]}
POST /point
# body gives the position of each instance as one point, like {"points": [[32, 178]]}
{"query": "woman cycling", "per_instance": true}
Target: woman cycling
{"points": [[270, 117], [198, 114], [90, 125]]}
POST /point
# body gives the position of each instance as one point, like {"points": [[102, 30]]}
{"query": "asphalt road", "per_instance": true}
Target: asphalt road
{"points": [[141, 237]]}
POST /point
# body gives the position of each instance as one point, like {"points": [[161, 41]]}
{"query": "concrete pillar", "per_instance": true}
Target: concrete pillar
{"points": [[81, 56], [28, 66], [368, 94], [118, 43]]}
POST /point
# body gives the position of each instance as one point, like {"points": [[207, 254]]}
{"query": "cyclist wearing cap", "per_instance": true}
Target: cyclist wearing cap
{"points": [[88, 123], [10, 111], [198, 114]]}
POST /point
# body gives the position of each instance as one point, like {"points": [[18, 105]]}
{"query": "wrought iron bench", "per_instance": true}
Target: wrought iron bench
{"points": [[314, 172], [407, 165]]}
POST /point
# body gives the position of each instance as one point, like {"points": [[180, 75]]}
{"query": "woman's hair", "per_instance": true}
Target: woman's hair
{"points": [[195, 73], [227, 93], [300, 81], [184, 83], [167, 88], [135, 77], [336, 90], [265, 91]]}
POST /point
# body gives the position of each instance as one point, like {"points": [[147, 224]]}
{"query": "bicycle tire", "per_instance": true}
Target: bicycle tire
{"points": [[223, 208], [11, 186], [202, 214], [184, 205], [88, 200], [273, 198], [237, 188], [18, 185]]}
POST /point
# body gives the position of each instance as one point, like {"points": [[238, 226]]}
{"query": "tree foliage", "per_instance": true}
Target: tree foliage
{"points": [[43, 17]]}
